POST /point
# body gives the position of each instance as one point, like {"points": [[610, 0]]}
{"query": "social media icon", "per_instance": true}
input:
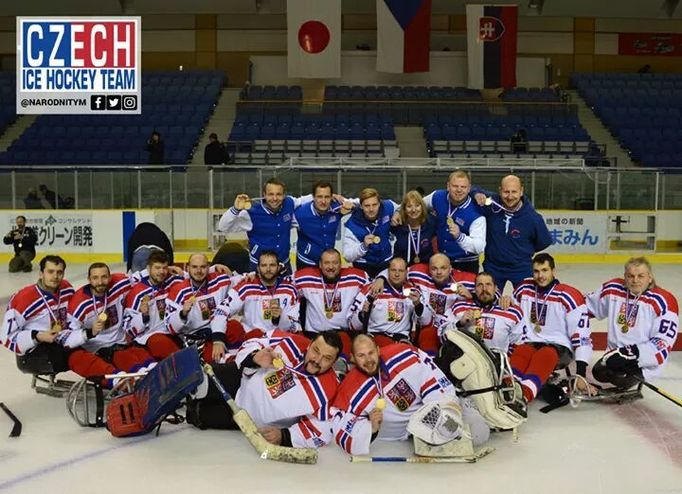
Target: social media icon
{"points": [[130, 102], [98, 102], [113, 102]]}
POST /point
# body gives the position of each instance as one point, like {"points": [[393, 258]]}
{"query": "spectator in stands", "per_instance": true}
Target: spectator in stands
{"points": [[519, 141], [48, 197], [215, 152], [23, 238], [32, 201], [156, 150]]}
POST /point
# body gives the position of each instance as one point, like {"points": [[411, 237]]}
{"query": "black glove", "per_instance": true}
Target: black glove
{"points": [[623, 359]]}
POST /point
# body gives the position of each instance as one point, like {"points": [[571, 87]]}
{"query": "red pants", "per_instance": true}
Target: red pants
{"points": [[162, 345], [234, 337], [129, 359], [533, 366], [428, 340]]}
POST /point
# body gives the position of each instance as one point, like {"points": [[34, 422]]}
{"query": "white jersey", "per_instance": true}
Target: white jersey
{"points": [[85, 308], [557, 315], [440, 298], [498, 328], [328, 305], [34, 309], [137, 326], [650, 321], [207, 297], [289, 397], [407, 379], [255, 301], [392, 313]]}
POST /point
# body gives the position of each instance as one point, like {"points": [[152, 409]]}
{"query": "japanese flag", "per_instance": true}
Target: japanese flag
{"points": [[314, 38]]}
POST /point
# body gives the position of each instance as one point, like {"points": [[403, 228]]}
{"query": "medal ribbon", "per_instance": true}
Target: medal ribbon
{"points": [[411, 242], [540, 315], [53, 318], [328, 305]]}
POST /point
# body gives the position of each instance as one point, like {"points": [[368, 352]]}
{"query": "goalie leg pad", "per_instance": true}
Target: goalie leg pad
{"points": [[437, 423], [483, 375]]}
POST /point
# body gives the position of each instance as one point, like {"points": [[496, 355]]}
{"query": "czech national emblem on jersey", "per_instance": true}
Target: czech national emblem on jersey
{"points": [[538, 310], [490, 28], [396, 310], [112, 317], [401, 395], [160, 307], [485, 327], [207, 306], [437, 302]]}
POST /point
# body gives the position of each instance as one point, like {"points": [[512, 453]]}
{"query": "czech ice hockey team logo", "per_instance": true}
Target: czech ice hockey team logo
{"points": [[490, 28]]}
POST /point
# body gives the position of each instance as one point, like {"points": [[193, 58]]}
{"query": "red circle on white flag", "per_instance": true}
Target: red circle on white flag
{"points": [[313, 36]]}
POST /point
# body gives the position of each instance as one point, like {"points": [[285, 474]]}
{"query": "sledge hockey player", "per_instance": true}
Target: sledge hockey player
{"points": [[397, 390], [389, 315], [558, 329], [269, 302], [326, 294], [499, 328], [285, 382], [643, 321]]}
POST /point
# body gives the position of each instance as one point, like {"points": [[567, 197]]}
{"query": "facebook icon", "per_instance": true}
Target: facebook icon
{"points": [[98, 102]]}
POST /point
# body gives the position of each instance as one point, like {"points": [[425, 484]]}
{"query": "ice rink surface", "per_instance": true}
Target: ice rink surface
{"points": [[595, 448]]}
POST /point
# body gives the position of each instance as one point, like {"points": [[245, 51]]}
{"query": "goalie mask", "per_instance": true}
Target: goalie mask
{"points": [[85, 403], [437, 423]]}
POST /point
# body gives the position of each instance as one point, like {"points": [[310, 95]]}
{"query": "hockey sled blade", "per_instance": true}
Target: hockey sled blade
{"points": [[266, 450], [16, 428]]}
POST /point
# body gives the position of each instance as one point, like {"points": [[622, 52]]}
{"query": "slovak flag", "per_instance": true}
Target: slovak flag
{"points": [[403, 35], [491, 45], [314, 38]]}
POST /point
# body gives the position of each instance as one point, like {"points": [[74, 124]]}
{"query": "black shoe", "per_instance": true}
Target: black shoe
{"points": [[192, 414]]}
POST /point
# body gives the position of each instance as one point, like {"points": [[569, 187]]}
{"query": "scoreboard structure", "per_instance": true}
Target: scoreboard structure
{"points": [[79, 65]]}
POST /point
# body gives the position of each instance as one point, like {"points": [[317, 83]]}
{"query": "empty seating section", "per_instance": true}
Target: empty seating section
{"points": [[533, 94], [470, 130], [408, 105], [276, 137], [642, 111], [8, 112], [176, 104]]}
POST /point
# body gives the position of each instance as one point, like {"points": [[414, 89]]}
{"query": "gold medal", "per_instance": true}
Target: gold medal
{"points": [[192, 299], [488, 201], [453, 286], [380, 404], [102, 317], [20, 245], [625, 328], [537, 328], [407, 292], [329, 313], [278, 363], [247, 204], [376, 239], [417, 260], [146, 299], [56, 327], [477, 314], [450, 222]]}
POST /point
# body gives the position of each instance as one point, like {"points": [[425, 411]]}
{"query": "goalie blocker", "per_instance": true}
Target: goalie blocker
{"points": [[481, 374]]}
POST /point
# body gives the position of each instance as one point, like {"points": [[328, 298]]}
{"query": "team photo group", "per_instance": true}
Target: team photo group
{"points": [[395, 331]]}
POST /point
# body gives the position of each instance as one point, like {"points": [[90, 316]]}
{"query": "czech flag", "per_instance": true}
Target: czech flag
{"points": [[314, 38], [403, 35], [491, 45]]}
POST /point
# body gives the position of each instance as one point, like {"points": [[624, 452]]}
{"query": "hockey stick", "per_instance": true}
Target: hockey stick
{"points": [[422, 459], [660, 391], [266, 450], [16, 429]]}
